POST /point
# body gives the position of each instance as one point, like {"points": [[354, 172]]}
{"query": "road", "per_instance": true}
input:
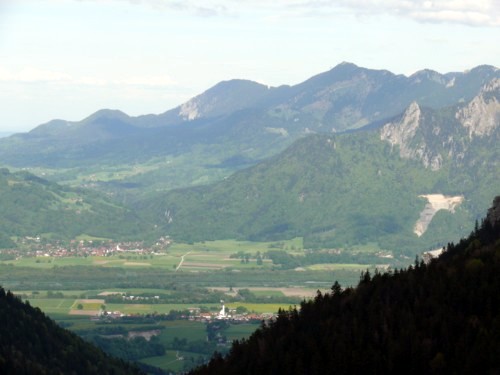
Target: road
{"points": [[182, 261]]}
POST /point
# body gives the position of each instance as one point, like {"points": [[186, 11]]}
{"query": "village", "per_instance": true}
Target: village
{"points": [[38, 247], [234, 316]]}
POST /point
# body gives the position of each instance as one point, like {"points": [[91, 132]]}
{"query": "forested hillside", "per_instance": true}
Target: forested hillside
{"points": [[31, 343], [351, 189], [442, 318], [32, 206]]}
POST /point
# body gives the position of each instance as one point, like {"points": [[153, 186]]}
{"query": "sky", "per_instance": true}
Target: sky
{"points": [[66, 59]]}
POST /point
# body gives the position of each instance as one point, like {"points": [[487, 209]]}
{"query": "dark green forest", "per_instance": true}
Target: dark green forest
{"points": [[32, 343], [437, 318]]}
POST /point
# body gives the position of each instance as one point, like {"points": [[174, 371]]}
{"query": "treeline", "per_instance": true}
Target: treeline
{"points": [[31, 343], [93, 278], [194, 295], [436, 318], [287, 261]]}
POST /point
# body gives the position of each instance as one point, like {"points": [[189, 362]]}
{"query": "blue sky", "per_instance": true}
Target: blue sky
{"points": [[69, 58]]}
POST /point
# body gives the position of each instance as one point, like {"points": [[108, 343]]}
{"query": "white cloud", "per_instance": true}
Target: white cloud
{"points": [[469, 12]]}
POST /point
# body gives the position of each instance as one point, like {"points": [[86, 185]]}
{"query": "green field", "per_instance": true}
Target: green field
{"points": [[199, 257], [207, 255], [196, 275], [53, 305]]}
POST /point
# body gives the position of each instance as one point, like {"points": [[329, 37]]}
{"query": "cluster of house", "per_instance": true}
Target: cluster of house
{"points": [[195, 314], [37, 247], [227, 314]]}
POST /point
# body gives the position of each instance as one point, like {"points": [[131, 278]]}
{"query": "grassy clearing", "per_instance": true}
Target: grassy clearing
{"points": [[87, 305], [233, 246]]}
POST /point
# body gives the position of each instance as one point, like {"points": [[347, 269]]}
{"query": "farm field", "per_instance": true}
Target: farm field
{"points": [[148, 287], [90, 307], [200, 257], [179, 256]]}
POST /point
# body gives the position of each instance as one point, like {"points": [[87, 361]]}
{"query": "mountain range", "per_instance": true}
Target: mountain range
{"points": [[349, 157], [231, 125], [369, 186]]}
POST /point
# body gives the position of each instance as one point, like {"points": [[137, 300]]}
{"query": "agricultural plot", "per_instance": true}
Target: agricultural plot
{"points": [[53, 305], [340, 266], [158, 308], [269, 292]]}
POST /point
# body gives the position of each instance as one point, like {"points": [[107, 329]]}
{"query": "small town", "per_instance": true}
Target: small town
{"points": [[192, 314], [38, 247]]}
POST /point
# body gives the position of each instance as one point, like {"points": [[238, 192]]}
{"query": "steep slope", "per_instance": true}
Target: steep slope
{"points": [[438, 318], [346, 189], [33, 207], [31, 343], [224, 98]]}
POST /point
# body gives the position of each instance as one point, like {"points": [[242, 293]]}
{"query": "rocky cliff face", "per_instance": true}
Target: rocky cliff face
{"points": [[403, 133], [423, 135], [482, 115]]}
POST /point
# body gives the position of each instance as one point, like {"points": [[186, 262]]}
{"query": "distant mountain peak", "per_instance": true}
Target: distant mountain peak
{"points": [[483, 68], [346, 64], [429, 75], [107, 113], [223, 98]]}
